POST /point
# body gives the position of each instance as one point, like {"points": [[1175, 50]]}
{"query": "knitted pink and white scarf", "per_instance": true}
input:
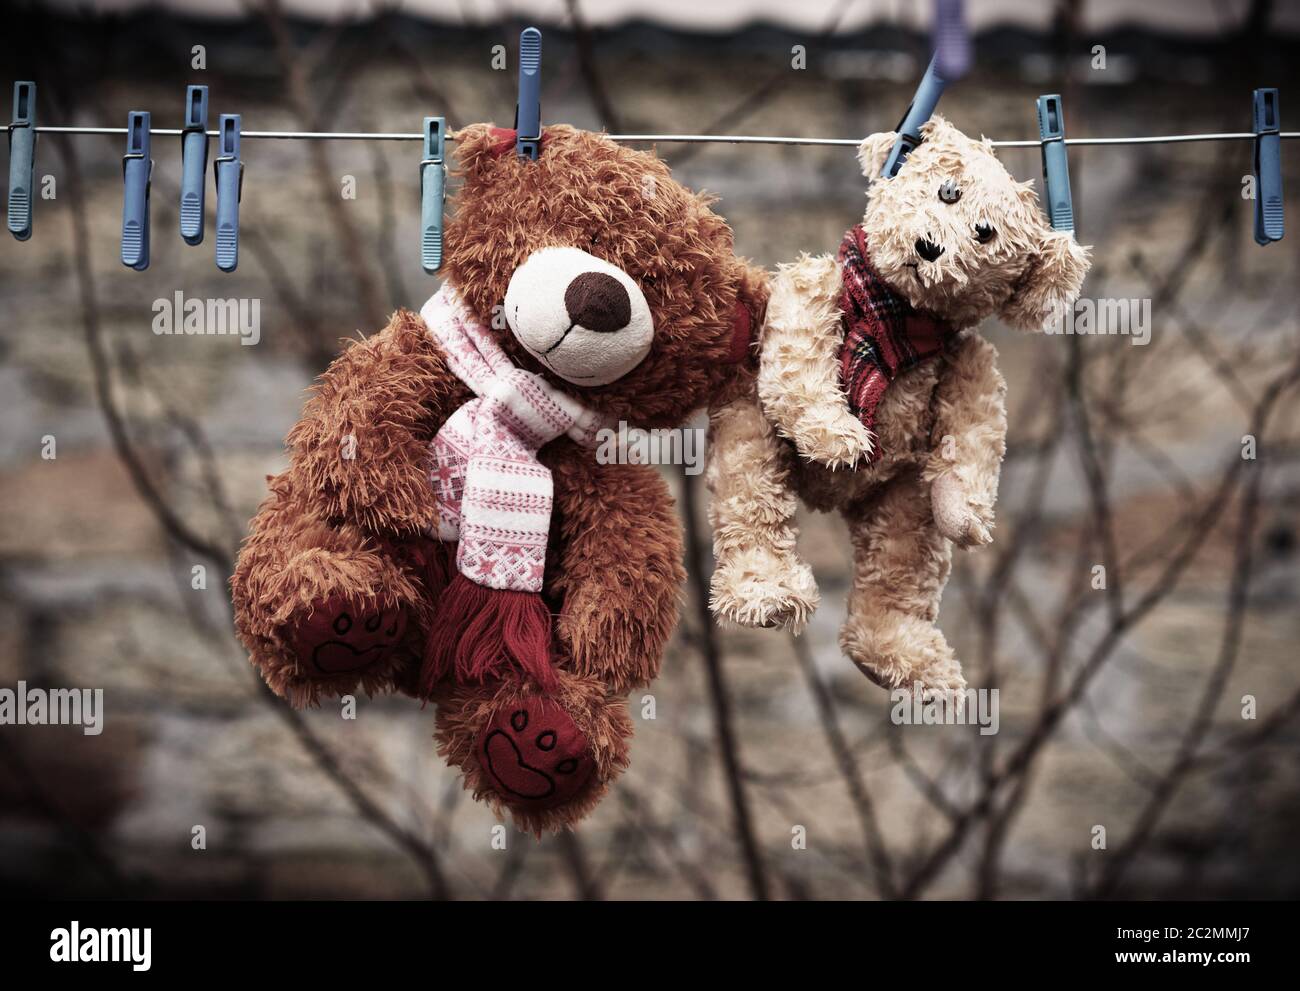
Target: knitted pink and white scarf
{"points": [[494, 498]]}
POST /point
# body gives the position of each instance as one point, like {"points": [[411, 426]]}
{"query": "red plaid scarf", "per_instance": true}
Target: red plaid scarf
{"points": [[884, 335]]}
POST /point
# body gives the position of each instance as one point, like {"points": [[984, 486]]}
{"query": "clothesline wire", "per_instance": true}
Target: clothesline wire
{"points": [[736, 139]]}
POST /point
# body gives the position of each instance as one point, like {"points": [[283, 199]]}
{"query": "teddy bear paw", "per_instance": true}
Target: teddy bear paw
{"points": [[339, 636], [939, 683], [836, 439], [764, 589], [956, 517], [901, 652], [535, 756]]}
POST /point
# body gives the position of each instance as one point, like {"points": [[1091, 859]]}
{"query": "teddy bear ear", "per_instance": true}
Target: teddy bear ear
{"points": [[479, 145], [937, 128], [1051, 282], [874, 150]]}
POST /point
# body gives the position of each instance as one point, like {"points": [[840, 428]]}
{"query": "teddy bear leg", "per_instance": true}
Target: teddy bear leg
{"points": [[323, 610], [548, 758], [759, 579], [900, 566]]}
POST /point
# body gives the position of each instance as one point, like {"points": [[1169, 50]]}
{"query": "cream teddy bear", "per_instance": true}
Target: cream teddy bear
{"points": [[878, 398]]}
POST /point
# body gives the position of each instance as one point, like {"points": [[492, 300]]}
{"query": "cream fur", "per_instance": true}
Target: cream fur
{"points": [[941, 426], [1026, 271], [539, 318], [799, 381], [760, 580]]}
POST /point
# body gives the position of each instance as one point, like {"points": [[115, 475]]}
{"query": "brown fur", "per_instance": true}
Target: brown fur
{"points": [[941, 427], [622, 206], [355, 526]]}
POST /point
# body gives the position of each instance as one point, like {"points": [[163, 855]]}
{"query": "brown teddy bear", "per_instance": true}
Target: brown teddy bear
{"points": [[877, 397], [445, 527]]}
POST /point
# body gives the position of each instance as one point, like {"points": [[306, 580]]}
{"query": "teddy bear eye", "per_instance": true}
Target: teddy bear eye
{"points": [[595, 239], [949, 192], [984, 232]]}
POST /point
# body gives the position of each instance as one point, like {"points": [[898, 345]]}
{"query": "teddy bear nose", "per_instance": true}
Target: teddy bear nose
{"points": [[598, 302], [927, 249]]}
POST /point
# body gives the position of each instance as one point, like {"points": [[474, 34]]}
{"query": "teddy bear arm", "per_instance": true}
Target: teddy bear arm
{"points": [[901, 564], [759, 579], [361, 448], [968, 442], [621, 572], [799, 375]]}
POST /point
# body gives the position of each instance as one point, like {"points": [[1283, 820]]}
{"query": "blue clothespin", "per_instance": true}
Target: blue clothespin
{"points": [[433, 190], [951, 39], [1056, 166], [194, 163], [229, 172], [528, 112], [918, 112], [22, 160], [137, 169], [1268, 167]]}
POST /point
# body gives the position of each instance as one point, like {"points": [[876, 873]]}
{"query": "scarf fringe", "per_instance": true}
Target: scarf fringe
{"points": [[482, 633]]}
